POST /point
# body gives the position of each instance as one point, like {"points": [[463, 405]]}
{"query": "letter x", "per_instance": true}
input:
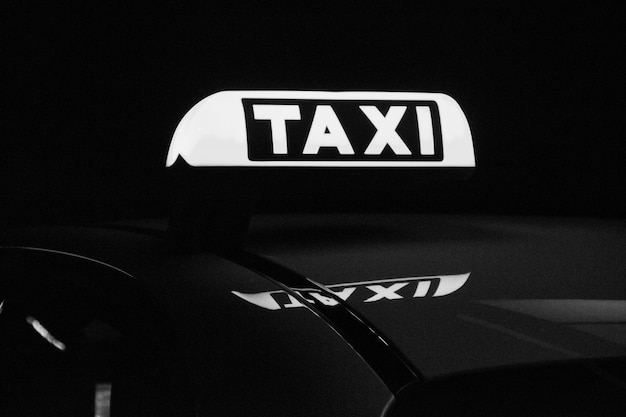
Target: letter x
{"points": [[388, 293], [386, 130]]}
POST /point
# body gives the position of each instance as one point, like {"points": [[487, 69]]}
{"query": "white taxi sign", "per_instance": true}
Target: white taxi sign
{"points": [[324, 129]]}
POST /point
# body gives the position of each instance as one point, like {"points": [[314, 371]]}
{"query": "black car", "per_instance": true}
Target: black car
{"points": [[218, 312]]}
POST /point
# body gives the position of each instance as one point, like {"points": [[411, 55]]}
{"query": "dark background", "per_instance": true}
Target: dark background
{"points": [[92, 95]]}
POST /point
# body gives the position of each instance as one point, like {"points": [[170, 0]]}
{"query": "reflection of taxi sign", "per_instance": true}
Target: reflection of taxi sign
{"points": [[332, 129]]}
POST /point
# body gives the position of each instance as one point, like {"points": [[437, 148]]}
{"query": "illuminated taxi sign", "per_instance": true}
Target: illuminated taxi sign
{"points": [[315, 128]]}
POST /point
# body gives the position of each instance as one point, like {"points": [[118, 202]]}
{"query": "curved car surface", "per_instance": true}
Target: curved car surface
{"points": [[349, 314], [361, 314]]}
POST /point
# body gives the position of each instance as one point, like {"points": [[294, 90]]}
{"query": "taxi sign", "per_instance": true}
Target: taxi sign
{"points": [[324, 129]]}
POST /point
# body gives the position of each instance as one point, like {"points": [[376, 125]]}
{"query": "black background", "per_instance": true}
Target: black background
{"points": [[92, 95]]}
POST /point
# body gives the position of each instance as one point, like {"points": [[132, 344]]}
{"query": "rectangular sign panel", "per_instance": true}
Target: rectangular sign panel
{"points": [[343, 130]]}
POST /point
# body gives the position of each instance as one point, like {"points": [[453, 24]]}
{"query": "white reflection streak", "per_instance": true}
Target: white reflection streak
{"points": [[67, 254], [45, 333], [103, 400], [1, 306]]}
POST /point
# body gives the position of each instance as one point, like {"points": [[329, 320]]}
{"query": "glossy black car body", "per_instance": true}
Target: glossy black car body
{"points": [[538, 327]]}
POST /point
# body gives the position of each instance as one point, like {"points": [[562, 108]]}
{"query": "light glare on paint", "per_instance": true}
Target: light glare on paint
{"points": [[364, 291], [43, 332]]}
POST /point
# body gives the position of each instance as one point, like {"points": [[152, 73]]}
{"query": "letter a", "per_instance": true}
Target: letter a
{"points": [[326, 131]]}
